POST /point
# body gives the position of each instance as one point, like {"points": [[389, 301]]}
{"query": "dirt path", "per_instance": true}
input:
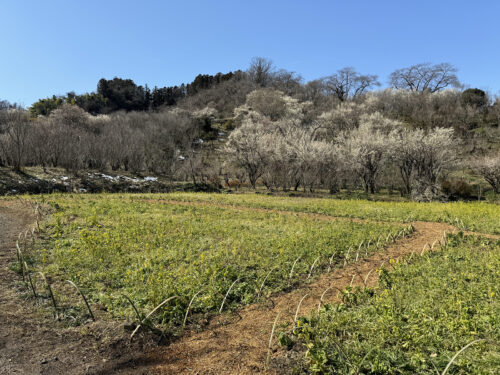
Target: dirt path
{"points": [[33, 343], [241, 347]]}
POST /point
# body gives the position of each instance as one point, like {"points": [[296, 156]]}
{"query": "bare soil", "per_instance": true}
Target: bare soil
{"points": [[32, 342]]}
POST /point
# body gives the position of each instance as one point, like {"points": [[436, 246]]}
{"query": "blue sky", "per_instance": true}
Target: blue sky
{"points": [[52, 47]]}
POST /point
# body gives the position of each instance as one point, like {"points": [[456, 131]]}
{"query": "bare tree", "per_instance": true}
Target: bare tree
{"points": [[425, 77], [314, 90], [40, 142], [72, 116], [17, 128], [261, 71], [495, 109], [286, 81], [70, 124], [348, 84], [4, 105]]}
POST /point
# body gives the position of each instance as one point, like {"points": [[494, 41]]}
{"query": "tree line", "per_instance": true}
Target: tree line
{"points": [[266, 126], [124, 94]]}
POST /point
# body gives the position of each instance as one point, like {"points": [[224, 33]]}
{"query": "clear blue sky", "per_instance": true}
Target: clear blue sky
{"points": [[52, 47]]}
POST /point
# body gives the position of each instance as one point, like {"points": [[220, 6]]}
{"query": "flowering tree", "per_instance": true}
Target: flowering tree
{"points": [[433, 156], [247, 148], [366, 147], [489, 168]]}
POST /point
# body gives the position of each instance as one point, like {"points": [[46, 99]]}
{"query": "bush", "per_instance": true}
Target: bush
{"points": [[456, 189], [474, 97]]}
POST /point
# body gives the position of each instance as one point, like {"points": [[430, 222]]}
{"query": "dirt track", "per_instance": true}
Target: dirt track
{"points": [[241, 347], [32, 343]]}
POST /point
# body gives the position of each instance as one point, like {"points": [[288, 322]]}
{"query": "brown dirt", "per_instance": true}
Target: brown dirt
{"points": [[31, 342], [241, 347]]}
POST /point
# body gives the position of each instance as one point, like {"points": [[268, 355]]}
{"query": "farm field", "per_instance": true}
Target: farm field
{"points": [[121, 245], [226, 266], [174, 200]]}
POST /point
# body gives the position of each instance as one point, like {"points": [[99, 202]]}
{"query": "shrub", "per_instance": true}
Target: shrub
{"points": [[457, 189]]}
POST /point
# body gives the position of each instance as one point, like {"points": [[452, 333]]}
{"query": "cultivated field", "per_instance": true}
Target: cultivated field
{"points": [[149, 250], [183, 265]]}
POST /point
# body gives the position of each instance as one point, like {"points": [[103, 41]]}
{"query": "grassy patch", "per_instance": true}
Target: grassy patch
{"points": [[420, 316]]}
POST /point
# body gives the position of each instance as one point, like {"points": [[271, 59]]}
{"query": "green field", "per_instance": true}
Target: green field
{"points": [[121, 244], [420, 315]]}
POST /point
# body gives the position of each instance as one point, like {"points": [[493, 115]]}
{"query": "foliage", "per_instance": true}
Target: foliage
{"points": [[419, 316], [112, 245], [124, 94], [43, 107], [475, 98]]}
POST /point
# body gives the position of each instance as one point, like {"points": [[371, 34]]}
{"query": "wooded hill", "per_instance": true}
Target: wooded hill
{"points": [[267, 126]]}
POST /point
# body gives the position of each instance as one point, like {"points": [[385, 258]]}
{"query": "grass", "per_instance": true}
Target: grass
{"points": [[475, 216], [420, 316], [116, 245]]}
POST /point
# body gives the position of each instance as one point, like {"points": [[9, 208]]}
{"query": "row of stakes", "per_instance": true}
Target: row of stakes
{"points": [[28, 275], [427, 246]]}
